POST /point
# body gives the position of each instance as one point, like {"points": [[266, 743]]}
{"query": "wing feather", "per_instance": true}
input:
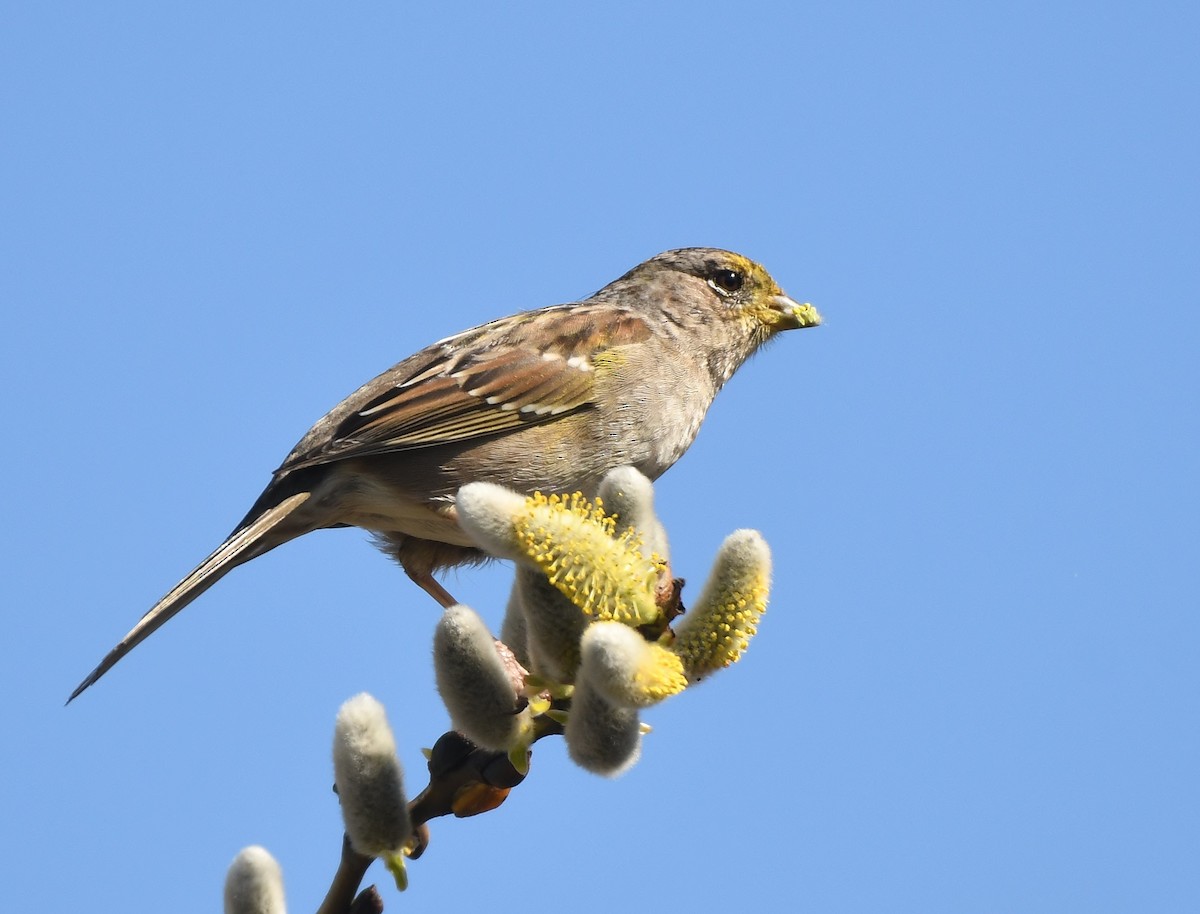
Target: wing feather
{"points": [[502, 376]]}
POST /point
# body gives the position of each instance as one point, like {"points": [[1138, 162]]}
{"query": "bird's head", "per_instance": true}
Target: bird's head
{"points": [[713, 296]]}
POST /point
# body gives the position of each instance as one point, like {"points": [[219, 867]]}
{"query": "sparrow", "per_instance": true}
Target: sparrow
{"points": [[547, 400]]}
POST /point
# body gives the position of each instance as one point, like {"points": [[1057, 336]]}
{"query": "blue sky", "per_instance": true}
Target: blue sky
{"points": [[976, 686]]}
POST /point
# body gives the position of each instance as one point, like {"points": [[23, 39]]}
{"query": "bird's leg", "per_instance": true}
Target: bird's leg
{"points": [[426, 581]]}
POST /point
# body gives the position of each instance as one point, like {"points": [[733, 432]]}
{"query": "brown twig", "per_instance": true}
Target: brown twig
{"points": [[349, 876]]}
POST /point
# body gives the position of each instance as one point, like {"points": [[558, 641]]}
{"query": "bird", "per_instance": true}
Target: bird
{"points": [[545, 400]]}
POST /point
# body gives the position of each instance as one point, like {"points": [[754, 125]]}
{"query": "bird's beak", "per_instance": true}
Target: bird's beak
{"points": [[791, 315]]}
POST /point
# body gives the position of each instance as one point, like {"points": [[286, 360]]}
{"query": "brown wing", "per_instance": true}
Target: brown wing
{"points": [[524, 369]]}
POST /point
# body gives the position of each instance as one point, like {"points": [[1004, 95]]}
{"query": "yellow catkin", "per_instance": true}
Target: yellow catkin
{"points": [[574, 543], [660, 675], [720, 630]]}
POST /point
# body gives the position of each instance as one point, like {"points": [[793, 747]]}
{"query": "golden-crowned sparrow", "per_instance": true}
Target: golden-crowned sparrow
{"points": [[544, 400]]}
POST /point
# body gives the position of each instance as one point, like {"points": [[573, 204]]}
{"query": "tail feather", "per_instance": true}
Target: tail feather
{"points": [[257, 536]]}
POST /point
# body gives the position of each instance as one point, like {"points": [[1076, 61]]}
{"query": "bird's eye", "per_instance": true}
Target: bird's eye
{"points": [[727, 280]]}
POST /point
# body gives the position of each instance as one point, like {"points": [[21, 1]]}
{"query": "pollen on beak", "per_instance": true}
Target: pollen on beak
{"points": [[792, 315]]}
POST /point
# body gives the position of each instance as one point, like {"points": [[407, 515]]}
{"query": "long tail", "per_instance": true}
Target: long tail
{"points": [[251, 540]]}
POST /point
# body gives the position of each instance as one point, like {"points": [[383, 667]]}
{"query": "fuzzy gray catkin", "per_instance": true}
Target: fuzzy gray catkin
{"points": [[476, 686], [514, 631], [601, 737], [553, 626], [254, 884], [629, 496], [369, 780]]}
